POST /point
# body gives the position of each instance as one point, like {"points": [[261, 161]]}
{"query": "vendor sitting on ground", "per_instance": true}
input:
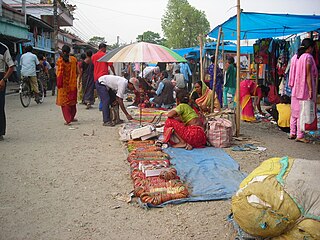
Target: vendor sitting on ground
{"points": [[281, 113], [183, 128], [164, 93], [145, 91], [201, 98]]}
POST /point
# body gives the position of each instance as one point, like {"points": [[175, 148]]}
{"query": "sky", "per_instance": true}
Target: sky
{"points": [[127, 19]]}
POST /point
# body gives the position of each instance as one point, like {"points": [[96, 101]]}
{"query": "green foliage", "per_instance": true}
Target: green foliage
{"points": [[182, 24], [150, 37], [95, 40]]}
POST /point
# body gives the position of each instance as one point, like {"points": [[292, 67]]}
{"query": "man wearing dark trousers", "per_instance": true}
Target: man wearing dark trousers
{"points": [[5, 62]]}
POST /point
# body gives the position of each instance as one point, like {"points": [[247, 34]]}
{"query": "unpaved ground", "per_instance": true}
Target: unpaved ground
{"points": [[61, 183]]}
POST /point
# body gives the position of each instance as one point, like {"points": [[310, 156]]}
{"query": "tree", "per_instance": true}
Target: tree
{"points": [[182, 23], [150, 37], [96, 40]]}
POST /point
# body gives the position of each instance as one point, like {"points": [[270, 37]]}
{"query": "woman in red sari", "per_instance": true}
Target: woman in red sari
{"points": [[67, 73], [183, 128], [249, 88]]}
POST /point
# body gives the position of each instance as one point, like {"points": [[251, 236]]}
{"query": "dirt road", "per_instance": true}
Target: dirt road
{"points": [[61, 182]]}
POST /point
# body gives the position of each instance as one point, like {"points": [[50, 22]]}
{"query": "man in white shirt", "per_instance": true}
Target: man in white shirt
{"points": [[28, 62], [117, 84]]}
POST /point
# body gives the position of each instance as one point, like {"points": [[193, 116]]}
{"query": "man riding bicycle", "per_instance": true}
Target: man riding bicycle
{"points": [[29, 62]]}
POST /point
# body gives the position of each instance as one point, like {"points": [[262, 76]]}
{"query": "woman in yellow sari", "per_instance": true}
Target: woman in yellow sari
{"points": [[67, 73], [201, 96]]}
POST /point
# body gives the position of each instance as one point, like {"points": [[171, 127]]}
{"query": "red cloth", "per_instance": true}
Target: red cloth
{"points": [[273, 96], [100, 68], [193, 135], [69, 112]]}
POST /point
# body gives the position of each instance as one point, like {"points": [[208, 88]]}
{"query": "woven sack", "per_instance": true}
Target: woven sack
{"points": [[219, 132]]}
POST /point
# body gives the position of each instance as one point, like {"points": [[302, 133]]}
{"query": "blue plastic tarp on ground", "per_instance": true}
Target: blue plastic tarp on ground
{"points": [[210, 173]]}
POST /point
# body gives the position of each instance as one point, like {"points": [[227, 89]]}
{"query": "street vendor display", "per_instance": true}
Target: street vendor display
{"points": [[155, 180]]}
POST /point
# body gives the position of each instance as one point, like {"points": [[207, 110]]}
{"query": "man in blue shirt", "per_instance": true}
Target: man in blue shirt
{"points": [[185, 70]]}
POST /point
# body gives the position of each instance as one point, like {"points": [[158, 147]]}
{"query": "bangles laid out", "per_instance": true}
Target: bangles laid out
{"points": [[155, 179]]}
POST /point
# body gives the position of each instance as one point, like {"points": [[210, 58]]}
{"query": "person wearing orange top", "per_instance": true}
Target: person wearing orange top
{"points": [[67, 73]]}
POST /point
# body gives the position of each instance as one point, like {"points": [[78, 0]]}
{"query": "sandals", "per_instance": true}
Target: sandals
{"points": [[302, 140], [292, 137]]}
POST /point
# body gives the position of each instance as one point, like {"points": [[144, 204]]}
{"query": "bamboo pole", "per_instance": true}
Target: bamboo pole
{"points": [[223, 58], [215, 70], [238, 71], [223, 65], [200, 39]]}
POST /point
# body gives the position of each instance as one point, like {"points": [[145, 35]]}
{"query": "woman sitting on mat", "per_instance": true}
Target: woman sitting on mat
{"points": [[183, 128], [202, 97]]}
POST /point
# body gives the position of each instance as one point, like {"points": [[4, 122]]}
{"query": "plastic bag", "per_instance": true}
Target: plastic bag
{"points": [[307, 113], [219, 132]]}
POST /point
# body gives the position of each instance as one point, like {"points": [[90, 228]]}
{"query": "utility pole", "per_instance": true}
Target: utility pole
{"points": [[24, 11], [55, 29], [118, 39], [0, 8]]}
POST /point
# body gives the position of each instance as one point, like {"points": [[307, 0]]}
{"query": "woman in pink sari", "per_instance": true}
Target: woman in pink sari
{"points": [[302, 79], [249, 88]]}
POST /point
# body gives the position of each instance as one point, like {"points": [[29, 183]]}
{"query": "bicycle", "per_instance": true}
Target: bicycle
{"points": [[26, 93]]}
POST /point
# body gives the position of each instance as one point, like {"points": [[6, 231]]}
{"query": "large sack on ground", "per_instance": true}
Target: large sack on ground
{"points": [[307, 229], [276, 196]]}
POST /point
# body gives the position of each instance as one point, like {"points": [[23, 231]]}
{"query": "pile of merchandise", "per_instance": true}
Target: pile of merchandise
{"points": [[280, 200], [155, 180]]}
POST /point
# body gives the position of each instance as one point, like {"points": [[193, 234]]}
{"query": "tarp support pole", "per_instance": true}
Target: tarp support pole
{"points": [[223, 58], [238, 71], [215, 70], [200, 39]]}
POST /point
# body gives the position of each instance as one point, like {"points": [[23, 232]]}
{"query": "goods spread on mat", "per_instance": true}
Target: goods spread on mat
{"points": [[149, 115], [155, 179]]}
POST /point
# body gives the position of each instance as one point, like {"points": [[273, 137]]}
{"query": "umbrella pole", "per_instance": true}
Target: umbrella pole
{"points": [[140, 116], [140, 98], [215, 70], [238, 71]]}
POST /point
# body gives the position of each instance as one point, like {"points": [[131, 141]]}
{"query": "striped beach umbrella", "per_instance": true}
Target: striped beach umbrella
{"points": [[142, 52]]}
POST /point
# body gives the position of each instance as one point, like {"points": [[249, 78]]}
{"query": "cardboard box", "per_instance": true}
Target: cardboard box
{"points": [[151, 170], [148, 136], [139, 132]]}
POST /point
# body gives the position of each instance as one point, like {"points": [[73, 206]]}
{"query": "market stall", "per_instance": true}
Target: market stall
{"points": [[267, 27]]}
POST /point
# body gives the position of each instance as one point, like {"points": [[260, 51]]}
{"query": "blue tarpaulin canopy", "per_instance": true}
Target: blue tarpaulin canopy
{"points": [[263, 25], [194, 52]]}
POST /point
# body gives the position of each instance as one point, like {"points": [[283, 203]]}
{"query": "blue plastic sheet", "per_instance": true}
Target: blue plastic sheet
{"points": [[210, 173], [265, 25]]}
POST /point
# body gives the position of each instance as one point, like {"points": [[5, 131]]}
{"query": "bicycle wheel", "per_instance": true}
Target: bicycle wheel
{"points": [[41, 91], [25, 93]]}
